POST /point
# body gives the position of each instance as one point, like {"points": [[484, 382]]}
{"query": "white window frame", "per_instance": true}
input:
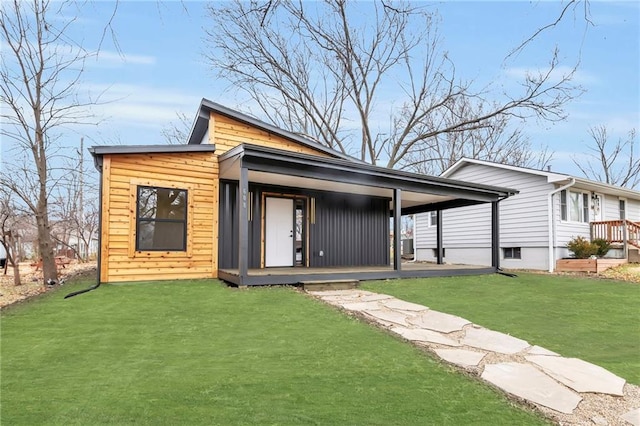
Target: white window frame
{"points": [[626, 208], [582, 195], [433, 218]]}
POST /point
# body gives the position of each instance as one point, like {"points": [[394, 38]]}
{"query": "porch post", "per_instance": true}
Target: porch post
{"points": [[243, 225], [440, 249], [397, 228], [495, 235]]}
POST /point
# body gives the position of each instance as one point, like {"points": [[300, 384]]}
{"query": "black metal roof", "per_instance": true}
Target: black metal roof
{"points": [[272, 160], [147, 149]]}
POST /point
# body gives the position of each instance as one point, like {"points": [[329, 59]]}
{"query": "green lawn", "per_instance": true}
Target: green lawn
{"points": [[195, 352], [595, 320]]}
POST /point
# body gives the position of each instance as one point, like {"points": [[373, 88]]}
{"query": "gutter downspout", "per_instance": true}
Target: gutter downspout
{"points": [[413, 233], [552, 235], [98, 165]]}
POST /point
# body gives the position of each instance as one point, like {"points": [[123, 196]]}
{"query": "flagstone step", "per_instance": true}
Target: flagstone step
{"points": [[323, 285]]}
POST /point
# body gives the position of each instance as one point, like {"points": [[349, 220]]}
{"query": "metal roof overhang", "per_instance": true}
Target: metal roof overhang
{"points": [[420, 193]]}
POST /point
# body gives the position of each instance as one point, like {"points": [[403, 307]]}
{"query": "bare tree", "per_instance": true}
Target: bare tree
{"points": [[39, 79], [9, 236], [74, 207], [381, 91], [613, 163], [177, 132]]}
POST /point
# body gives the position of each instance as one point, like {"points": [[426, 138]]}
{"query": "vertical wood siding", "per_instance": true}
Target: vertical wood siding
{"points": [[196, 172]]}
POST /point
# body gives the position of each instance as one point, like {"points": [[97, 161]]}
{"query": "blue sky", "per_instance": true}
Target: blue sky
{"points": [[160, 69]]}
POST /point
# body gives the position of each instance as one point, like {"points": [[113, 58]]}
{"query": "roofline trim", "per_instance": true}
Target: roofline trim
{"points": [[368, 169], [551, 176], [149, 149]]}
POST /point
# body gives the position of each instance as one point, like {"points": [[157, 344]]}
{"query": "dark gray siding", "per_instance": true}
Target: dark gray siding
{"points": [[228, 226], [350, 230]]}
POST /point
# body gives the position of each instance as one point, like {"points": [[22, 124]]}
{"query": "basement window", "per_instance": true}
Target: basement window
{"points": [[512, 252], [435, 252], [161, 219]]}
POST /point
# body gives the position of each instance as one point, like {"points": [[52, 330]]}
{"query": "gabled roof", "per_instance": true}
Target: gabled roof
{"points": [[201, 126], [552, 177]]}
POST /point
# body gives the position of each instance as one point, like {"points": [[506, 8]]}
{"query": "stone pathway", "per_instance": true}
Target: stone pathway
{"points": [[567, 390]]}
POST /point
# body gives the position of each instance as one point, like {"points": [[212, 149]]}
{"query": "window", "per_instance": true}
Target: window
{"points": [[574, 206], [433, 218], [512, 253], [161, 220], [622, 207]]}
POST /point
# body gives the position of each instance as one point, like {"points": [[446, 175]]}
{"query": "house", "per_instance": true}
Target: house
{"points": [[253, 204], [536, 224]]}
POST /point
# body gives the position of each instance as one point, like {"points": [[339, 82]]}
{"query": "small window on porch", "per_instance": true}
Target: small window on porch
{"points": [[512, 253], [433, 218]]}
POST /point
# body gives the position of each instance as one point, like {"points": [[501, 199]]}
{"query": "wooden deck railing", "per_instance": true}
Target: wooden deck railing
{"points": [[613, 231]]}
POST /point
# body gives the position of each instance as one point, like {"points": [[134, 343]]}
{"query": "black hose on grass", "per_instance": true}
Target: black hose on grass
{"points": [[86, 290]]}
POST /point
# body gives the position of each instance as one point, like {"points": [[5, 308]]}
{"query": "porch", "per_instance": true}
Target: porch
{"points": [[289, 217], [622, 233], [296, 275], [617, 231]]}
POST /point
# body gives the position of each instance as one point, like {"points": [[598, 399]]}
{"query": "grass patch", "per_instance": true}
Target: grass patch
{"points": [[195, 352], [595, 320]]}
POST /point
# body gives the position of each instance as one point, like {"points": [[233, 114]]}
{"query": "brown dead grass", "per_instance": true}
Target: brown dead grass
{"points": [[32, 280], [629, 272]]}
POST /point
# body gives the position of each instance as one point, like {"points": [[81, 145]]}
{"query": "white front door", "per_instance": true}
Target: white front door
{"points": [[278, 246]]}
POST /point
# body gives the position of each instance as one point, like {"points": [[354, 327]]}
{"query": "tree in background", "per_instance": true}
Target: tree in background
{"points": [[39, 88], [383, 90], [177, 132], [9, 235], [74, 208], [615, 163]]}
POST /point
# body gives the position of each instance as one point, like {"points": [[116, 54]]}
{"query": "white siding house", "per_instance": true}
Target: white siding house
{"points": [[535, 225]]}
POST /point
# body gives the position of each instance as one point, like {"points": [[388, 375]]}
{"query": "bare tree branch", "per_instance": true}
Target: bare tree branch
{"points": [[39, 80], [571, 4], [616, 164], [382, 91]]}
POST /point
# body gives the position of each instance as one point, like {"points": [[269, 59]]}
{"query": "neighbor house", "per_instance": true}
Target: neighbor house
{"points": [[253, 204], [536, 224]]}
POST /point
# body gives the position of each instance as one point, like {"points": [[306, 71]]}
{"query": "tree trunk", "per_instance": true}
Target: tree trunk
{"points": [[16, 273], [45, 245]]}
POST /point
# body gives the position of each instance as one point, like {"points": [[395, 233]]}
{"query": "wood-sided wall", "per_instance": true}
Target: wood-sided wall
{"points": [[195, 172], [122, 173], [227, 133]]}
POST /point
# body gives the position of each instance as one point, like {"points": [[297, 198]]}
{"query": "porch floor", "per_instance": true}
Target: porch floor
{"points": [[295, 275]]}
